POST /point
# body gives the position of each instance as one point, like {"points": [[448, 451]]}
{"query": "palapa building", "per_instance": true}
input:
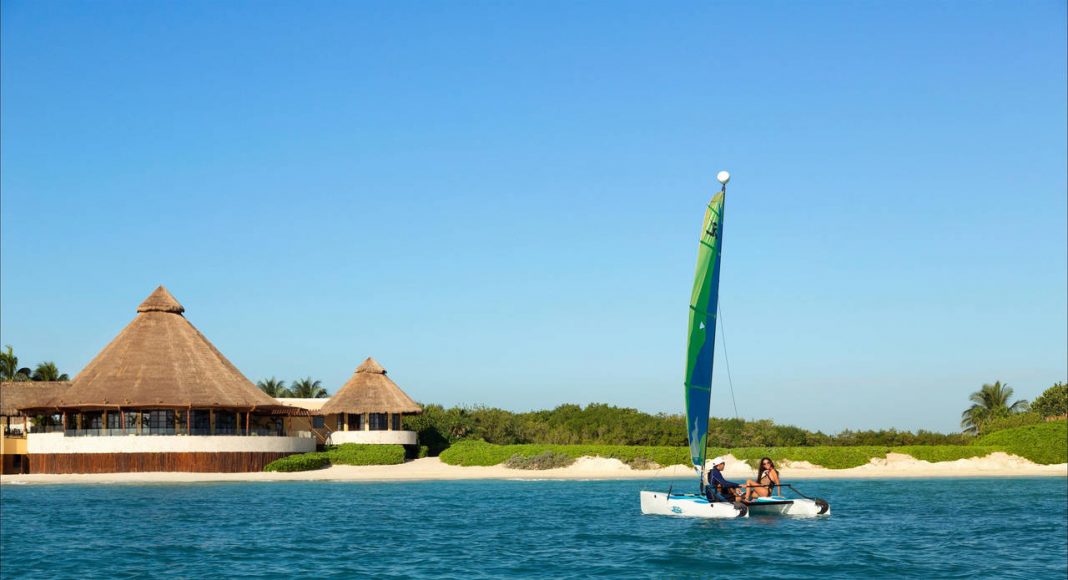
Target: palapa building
{"points": [[161, 397], [369, 408]]}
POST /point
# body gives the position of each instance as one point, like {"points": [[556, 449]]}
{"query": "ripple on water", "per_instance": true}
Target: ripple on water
{"points": [[483, 529]]}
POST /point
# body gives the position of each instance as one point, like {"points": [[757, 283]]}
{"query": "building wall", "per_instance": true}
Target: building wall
{"points": [[57, 443], [203, 462], [12, 445], [374, 437]]}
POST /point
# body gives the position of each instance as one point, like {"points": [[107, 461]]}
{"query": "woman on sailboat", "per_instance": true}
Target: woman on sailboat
{"points": [[767, 477]]}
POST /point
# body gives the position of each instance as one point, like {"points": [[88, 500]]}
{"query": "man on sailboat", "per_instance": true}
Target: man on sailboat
{"points": [[718, 485]]}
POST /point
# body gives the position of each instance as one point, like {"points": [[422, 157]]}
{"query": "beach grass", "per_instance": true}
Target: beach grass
{"points": [[1045, 443], [480, 453]]}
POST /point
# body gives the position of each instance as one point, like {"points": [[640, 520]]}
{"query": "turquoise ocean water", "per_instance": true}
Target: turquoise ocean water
{"points": [[957, 528]]}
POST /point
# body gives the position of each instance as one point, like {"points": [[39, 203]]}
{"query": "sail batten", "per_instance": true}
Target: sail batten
{"points": [[702, 330]]}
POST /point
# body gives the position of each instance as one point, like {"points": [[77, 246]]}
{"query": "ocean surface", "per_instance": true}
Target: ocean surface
{"points": [[945, 528]]}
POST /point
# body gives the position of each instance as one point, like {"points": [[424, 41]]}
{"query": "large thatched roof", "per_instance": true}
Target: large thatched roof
{"points": [[23, 394], [161, 360], [370, 391]]}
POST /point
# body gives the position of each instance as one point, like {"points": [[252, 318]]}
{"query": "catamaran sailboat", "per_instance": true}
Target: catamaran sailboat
{"points": [[700, 348]]}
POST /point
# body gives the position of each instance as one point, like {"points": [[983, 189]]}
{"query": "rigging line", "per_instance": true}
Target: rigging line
{"points": [[726, 359]]}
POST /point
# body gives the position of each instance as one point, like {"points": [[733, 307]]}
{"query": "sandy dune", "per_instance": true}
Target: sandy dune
{"points": [[431, 468]]}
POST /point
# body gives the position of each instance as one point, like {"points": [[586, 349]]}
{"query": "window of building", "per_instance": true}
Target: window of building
{"points": [[318, 421], [379, 421], [92, 421], [355, 422], [396, 419], [158, 422], [225, 423], [115, 421], [201, 422], [131, 421], [340, 422]]}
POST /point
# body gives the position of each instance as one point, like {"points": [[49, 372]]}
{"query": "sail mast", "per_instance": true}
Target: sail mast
{"points": [[702, 330]]}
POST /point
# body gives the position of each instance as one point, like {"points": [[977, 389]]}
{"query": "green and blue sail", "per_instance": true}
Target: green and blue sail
{"points": [[702, 338]]}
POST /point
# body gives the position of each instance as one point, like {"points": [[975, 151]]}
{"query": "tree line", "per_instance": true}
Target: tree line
{"points": [[600, 424], [993, 408], [11, 371], [306, 388]]}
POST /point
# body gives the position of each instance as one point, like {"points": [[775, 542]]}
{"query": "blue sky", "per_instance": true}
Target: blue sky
{"points": [[500, 201]]}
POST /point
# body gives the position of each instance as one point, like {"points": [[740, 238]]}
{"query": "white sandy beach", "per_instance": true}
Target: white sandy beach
{"points": [[587, 468]]}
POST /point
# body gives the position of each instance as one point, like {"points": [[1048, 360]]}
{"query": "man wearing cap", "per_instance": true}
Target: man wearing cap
{"points": [[718, 485]]}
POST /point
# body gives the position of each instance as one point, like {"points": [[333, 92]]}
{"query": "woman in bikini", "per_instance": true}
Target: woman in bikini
{"points": [[767, 477]]}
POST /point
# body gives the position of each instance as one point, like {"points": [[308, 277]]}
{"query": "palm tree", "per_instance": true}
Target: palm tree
{"points": [[9, 367], [47, 371], [274, 388], [989, 403], [306, 388]]}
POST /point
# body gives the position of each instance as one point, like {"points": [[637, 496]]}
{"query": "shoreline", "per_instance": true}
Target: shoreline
{"points": [[894, 466]]}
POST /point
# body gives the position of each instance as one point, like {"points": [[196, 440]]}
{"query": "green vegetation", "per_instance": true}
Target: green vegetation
{"points": [[543, 460], [308, 388], [302, 462], [11, 371], [274, 388], [1012, 421], [472, 452], [347, 454], [47, 371], [468, 453], [1045, 443], [936, 453], [596, 424], [481, 453], [355, 454], [1053, 402], [989, 403]]}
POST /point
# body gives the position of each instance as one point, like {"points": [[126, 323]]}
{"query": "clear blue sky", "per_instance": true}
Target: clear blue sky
{"points": [[501, 200]]}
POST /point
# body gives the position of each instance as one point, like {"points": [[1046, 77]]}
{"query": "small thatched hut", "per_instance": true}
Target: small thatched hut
{"points": [[160, 376], [369, 408]]}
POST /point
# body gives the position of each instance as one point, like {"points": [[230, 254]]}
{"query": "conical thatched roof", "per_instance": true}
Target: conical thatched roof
{"points": [[370, 391], [161, 360]]}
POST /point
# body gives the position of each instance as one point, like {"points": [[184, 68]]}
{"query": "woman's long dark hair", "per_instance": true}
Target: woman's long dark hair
{"points": [[761, 470]]}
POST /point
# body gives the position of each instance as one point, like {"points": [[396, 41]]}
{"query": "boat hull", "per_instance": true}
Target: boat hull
{"points": [[689, 506], [776, 506]]}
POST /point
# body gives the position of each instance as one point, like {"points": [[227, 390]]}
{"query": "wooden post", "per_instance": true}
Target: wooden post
{"points": [[389, 421], [248, 422], [366, 421], [25, 426], [122, 418]]}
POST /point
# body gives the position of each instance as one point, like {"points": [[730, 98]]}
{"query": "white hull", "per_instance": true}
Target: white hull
{"points": [[789, 507], [689, 506]]}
